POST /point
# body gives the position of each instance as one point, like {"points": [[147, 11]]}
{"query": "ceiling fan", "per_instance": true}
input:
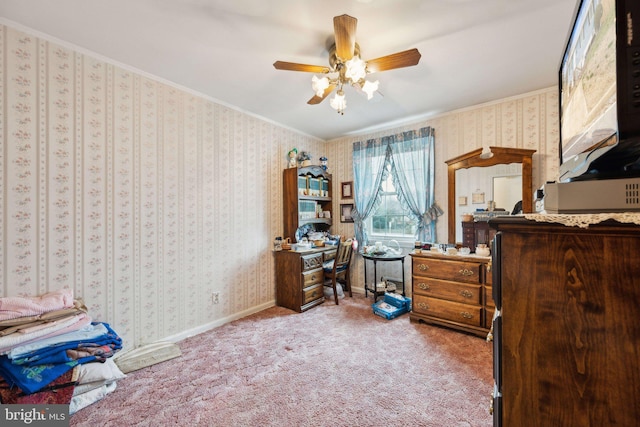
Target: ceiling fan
{"points": [[346, 67]]}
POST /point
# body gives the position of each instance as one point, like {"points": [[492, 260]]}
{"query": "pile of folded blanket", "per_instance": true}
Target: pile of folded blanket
{"points": [[51, 352]]}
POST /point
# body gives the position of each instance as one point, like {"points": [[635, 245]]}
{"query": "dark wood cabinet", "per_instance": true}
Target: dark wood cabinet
{"points": [[469, 235], [484, 235], [475, 233], [567, 337], [298, 202]]}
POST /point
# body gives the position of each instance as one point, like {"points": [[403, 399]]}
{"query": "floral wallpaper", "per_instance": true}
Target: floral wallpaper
{"points": [[145, 198], [138, 195]]}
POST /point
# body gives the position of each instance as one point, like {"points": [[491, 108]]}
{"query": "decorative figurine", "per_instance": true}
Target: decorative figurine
{"points": [[323, 163], [292, 158], [304, 158]]}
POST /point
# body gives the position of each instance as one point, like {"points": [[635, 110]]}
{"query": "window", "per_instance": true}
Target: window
{"points": [[390, 221], [410, 156]]}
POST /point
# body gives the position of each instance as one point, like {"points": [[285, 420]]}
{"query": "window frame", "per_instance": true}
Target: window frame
{"points": [[404, 240]]}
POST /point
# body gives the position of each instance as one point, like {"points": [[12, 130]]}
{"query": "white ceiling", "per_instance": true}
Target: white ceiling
{"points": [[473, 51]]}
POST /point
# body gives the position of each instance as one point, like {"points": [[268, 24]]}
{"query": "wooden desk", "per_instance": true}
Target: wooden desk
{"points": [[299, 277]]}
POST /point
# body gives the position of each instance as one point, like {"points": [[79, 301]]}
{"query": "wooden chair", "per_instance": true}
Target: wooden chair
{"points": [[337, 270]]}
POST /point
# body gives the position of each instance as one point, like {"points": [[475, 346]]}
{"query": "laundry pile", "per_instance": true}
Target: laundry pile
{"points": [[52, 352]]}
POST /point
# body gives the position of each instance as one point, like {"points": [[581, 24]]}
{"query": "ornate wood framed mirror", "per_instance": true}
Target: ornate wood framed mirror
{"points": [[496, 156]]}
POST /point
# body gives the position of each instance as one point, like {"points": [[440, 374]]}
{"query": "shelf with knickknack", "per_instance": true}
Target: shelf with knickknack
{"points": [[307, 207], [307, 199]]}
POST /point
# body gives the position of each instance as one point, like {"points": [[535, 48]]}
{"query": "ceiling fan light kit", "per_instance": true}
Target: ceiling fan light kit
{"points": [[319, 85], [346, 66], [355, 69], [338, 102]]}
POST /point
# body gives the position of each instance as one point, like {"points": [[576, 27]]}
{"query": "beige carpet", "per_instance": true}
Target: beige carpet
{"points": [[330, 366]]}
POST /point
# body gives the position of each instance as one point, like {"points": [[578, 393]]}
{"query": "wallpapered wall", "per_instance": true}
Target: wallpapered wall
{"points": [[145, 198], [526, 121], [142, 197]]}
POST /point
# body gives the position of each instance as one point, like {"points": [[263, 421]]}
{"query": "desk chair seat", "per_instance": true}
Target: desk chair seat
{"points": [[327, 266], [337, 270]]}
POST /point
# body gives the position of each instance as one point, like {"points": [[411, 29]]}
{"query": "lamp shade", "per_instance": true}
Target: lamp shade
{"points": [[319, 85], [338, 102], [370, 87], [356, 69]]}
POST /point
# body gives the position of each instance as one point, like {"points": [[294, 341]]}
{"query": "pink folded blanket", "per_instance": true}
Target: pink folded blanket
{"points": [[63, 326], [14, 307]]}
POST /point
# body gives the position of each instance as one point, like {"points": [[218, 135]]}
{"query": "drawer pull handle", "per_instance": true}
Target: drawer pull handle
{"points": [[313, 277], [424, 286], [423, 306], [466, 315], [423, 267], [466, 272], [465, 293]]}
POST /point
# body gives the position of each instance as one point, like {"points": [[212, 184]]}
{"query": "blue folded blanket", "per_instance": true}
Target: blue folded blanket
{"points": [[37, 369], [57, 353]]}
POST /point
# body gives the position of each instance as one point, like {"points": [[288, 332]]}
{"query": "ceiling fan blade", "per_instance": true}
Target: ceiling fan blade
{"points": [[407, 58], [344, 27], [318, 99], [292, 66]]}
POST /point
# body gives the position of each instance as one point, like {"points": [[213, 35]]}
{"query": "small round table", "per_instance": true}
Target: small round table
{"points": [[387, 256]]}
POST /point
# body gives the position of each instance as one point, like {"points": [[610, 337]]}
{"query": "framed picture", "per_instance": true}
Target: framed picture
{"points": [[462, 201], [345, 212], [347, 190], [477, 198]]}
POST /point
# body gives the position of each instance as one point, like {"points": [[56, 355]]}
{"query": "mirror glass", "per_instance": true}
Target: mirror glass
{"points": [[507, 191], [476, 187]]}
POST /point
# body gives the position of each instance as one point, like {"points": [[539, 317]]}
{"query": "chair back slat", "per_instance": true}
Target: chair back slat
{"points": [[344, 254], [339, 271]]}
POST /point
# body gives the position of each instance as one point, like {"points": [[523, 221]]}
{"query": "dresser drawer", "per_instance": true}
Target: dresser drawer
{"points": [[462, 271], [488, 273], [452, 291], [488, 296], [313, 277], [456, 312], [310, 262], [488, 318], [313, 293], [329, 255]]}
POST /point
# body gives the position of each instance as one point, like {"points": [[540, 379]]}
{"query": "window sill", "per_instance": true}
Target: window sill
{"points": [[403, 242]]}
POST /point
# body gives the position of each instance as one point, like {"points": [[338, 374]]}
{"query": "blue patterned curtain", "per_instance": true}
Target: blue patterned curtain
{"points": [[369, 160], [411, 155], [413, 170]]}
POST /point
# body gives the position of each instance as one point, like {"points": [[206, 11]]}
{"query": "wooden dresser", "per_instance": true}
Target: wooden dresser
{"points": [[452, 291], [567, 340], [299, 278]]}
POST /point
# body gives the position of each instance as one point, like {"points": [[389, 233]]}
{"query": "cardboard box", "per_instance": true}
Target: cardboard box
{"points": [[398, 300], [387, 310]]}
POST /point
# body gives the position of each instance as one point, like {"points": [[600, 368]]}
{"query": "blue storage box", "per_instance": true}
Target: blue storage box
{"points": [[398, 300], [387, 311]]}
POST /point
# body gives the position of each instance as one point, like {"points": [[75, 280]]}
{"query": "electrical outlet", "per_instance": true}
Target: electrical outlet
{"points": [[215, 297]]}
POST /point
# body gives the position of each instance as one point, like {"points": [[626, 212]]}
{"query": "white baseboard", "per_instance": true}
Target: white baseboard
{"points": [[218, 322]]}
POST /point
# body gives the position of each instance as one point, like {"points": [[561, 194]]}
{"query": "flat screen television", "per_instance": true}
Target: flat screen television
{"points": [[599, 82]]}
